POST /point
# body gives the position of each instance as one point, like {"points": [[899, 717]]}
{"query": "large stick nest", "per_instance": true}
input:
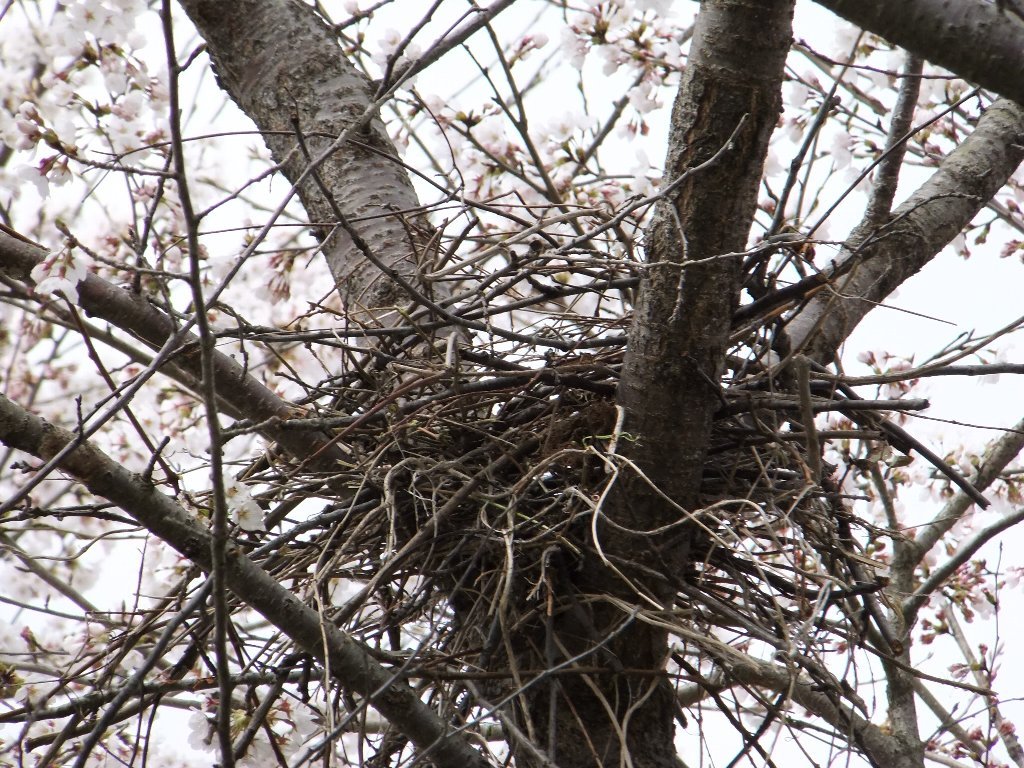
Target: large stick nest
{"points": [[476, 486]]}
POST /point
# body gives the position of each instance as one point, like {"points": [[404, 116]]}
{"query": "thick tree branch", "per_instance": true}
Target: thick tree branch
{"points": [[877, 259], [255, 47], [669, 387], [130, 312], [974, 39], [881, 748], [164, 518]]}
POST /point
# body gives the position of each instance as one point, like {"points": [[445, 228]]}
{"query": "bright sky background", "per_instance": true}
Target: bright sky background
{"points": [[982, 293]]}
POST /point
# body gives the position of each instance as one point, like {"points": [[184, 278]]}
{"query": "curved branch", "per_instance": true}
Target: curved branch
{"points": [[976, 40], [164, 518], [130, 312]]}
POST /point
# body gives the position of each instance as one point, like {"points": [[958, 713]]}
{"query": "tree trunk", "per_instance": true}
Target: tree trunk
{"points": [[725, 111]]}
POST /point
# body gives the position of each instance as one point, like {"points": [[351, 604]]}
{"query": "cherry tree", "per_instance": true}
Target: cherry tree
{"points": [[411, 382]]}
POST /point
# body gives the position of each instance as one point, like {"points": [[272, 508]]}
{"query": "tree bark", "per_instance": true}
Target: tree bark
{"points": [[284, 68], [728, 105], [977, 40], [726, 108]]}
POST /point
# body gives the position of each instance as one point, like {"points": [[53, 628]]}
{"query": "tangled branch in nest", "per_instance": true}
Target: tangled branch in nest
{"points": [[470, 514], [475, 493]]}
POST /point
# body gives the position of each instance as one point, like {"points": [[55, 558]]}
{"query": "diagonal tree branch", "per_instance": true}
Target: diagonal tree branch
{"points": [[976, 40], [881, 253], [164, 518], [132, 313], [881, 748], [998, 455], [877, 259], [253, 45], [331, 104]]}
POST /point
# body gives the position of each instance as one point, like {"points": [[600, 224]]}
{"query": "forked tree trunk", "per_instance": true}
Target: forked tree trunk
{"points": [[727, 106]]}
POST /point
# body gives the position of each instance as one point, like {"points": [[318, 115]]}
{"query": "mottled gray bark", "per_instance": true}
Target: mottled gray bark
{"points": [[284, 68], [974, 39]]}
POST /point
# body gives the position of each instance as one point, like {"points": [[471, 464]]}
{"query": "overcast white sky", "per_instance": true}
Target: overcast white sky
{"points": [[983, 293]]}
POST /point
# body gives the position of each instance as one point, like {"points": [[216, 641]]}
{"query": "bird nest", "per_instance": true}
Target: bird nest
{"points": [[475, 489]]}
